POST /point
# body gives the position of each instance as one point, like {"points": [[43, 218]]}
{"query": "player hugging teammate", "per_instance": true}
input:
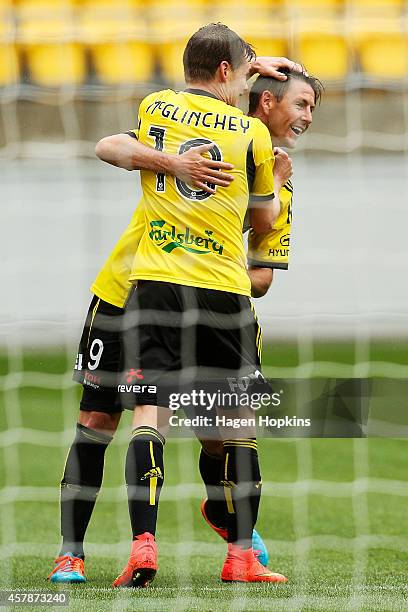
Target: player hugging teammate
{"points": [[189, 313]]}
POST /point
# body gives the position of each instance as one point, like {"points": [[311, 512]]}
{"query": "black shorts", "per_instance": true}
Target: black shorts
{"points": [[178, 335], [98, 363]]}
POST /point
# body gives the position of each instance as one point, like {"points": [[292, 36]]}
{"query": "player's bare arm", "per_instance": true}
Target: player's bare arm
{"points": [[269, 67], [192, 167], [261, 280], [262, 215]]}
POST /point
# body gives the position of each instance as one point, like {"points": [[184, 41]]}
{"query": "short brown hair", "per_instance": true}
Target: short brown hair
{"points": [[211, 45], [279, 88]]}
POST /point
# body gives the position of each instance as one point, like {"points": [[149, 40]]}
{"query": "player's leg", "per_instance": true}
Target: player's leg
{"points": [[242, 489], [144, 474], [83, 473], [148, 349], [214, 507], [241, 478], [232, 337], [80, 485], [97, 367]]}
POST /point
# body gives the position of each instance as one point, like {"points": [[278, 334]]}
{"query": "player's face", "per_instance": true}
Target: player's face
{"points": [[290, 118], [236, 84]]}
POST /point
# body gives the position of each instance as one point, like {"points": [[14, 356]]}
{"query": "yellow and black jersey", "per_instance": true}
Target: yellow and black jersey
{"points": [[272, 250], [191, 237], [112, 283]]}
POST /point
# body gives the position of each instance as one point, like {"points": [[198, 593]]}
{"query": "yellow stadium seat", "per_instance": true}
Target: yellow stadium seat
{"points": [[117, 37], [171, 39], [46, 32], [109, 5], [266, 35], [42, 6], [385, 56], [110, 28], [238, 15], [9, 63], [170, 35], [382, 48], [257, 24], [304, 6], [236, 6], [376, 9], [171, 61], [269, 46], [374, 4], [55, 65], [321, 46], [177, 7], [123, 62]]}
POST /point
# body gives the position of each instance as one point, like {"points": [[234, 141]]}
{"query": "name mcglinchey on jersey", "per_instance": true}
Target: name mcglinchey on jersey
{"points": [[196, 119]]}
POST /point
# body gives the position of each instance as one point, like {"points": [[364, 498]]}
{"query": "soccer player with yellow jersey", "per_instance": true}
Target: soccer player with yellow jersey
{"points": [[111, 286], [180, 320], [191, 316]]}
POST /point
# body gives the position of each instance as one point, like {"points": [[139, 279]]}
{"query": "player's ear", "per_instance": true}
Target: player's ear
{"points": [[266, 101], [224, 69]]}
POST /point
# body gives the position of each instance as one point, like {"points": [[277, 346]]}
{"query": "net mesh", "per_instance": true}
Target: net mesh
{"points": [[310, 510]]}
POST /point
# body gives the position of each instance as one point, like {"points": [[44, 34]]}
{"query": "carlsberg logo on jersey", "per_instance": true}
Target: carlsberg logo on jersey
{"points": [[170, 239]]}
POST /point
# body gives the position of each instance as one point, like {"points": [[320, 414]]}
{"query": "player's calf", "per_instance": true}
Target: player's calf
{"points": [[144, 478], [80, 486]]}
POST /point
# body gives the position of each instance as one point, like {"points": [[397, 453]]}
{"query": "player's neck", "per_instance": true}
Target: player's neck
{"points": [[259, 114], [212, 88]]}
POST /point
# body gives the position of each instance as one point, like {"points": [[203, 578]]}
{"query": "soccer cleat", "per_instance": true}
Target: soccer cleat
{"points": [[222, 532], [259, 548], [243, 566], [142, 565], [68, 569], [257, 543]]}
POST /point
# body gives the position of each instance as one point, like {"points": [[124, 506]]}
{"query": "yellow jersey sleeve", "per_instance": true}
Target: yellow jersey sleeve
{"points": [[263, 185], [271, 250], [112, 283]]}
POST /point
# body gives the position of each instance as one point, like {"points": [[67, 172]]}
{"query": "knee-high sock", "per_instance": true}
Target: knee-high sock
{"points": [[211, 472], [80, 486], [242, 489], [144, 478]]}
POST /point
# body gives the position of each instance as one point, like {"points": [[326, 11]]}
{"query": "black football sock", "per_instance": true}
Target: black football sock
{"points": [[144, 478], [242, 489], [211, 470], [80, 486]]}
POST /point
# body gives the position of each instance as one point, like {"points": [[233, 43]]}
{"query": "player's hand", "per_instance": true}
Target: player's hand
{"points": [[269, 67], [196, 170], [282, 169]]}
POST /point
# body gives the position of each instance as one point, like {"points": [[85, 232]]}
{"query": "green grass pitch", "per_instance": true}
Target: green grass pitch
{"points": [[334, 513]]}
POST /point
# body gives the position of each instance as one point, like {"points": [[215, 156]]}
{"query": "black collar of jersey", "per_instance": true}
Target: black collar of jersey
{"points": [[200, 92]]}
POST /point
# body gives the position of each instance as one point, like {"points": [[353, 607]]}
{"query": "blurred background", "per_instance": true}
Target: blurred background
{"points": [[73, 71]]}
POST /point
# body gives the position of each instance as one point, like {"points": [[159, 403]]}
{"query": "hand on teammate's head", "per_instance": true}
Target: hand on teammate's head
{"points": [[271, 67]]}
